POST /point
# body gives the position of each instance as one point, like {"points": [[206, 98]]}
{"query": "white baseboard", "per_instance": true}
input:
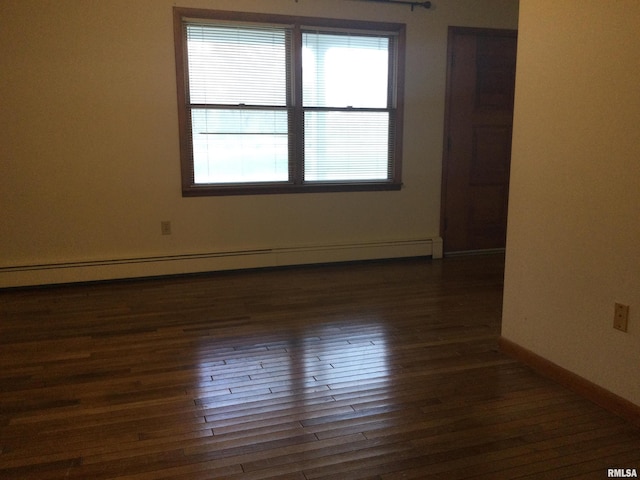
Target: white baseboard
{"points": [[85, 271]]}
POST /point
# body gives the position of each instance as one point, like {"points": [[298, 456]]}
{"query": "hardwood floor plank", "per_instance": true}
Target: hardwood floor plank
{"points": [[378, 370]]}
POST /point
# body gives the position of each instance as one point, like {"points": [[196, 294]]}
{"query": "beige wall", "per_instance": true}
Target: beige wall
{"points": [[89, 140], [573, 245]]}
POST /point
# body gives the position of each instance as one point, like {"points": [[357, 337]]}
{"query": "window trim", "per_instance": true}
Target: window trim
{"points": [[396, 72]]}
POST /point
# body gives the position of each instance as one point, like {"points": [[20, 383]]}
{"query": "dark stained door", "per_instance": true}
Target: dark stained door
{"points": [[478, 126]]}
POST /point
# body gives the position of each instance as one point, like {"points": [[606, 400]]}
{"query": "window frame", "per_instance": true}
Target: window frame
{"points": [[295, 184]]}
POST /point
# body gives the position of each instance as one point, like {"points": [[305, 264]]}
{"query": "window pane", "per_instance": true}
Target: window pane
{"points": [[234, 146], [342, 70], [231, 65], [344, 145]]}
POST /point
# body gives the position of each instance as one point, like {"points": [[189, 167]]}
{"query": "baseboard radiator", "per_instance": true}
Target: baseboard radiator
{"points": [[121, 268]]}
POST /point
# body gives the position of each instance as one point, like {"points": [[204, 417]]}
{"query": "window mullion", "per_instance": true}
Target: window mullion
{"points": [[296, 120], [391, 105]]}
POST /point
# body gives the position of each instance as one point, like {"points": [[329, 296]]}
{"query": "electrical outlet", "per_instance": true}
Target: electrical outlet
{"points": [[165, 227], [621, 317]]}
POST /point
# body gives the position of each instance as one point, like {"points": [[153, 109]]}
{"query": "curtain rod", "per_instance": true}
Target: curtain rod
{"points": [[402, 2]]}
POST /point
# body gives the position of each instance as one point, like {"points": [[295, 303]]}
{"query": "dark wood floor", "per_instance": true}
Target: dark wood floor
{"points": [[386, 370]]}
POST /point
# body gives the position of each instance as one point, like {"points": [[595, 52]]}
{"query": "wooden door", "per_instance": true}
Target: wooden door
{"points": [[477, 151]]}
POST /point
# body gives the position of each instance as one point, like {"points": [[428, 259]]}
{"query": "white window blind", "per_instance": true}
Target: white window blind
{"points": [[346, 104], [238, 91], [234, 65]]}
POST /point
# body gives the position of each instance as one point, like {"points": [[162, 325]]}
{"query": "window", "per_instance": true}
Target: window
{"points": [[278, 104]]}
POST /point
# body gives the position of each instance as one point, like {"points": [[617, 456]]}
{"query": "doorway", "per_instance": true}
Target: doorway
{"points": [[477, 150]]}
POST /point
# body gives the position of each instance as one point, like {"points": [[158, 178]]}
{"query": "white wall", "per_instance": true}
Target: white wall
{"points": [[89, 145], [573, 242]]}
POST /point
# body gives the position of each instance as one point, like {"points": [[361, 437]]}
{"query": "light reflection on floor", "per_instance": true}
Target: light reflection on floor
{"points": [[302, 368]]}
